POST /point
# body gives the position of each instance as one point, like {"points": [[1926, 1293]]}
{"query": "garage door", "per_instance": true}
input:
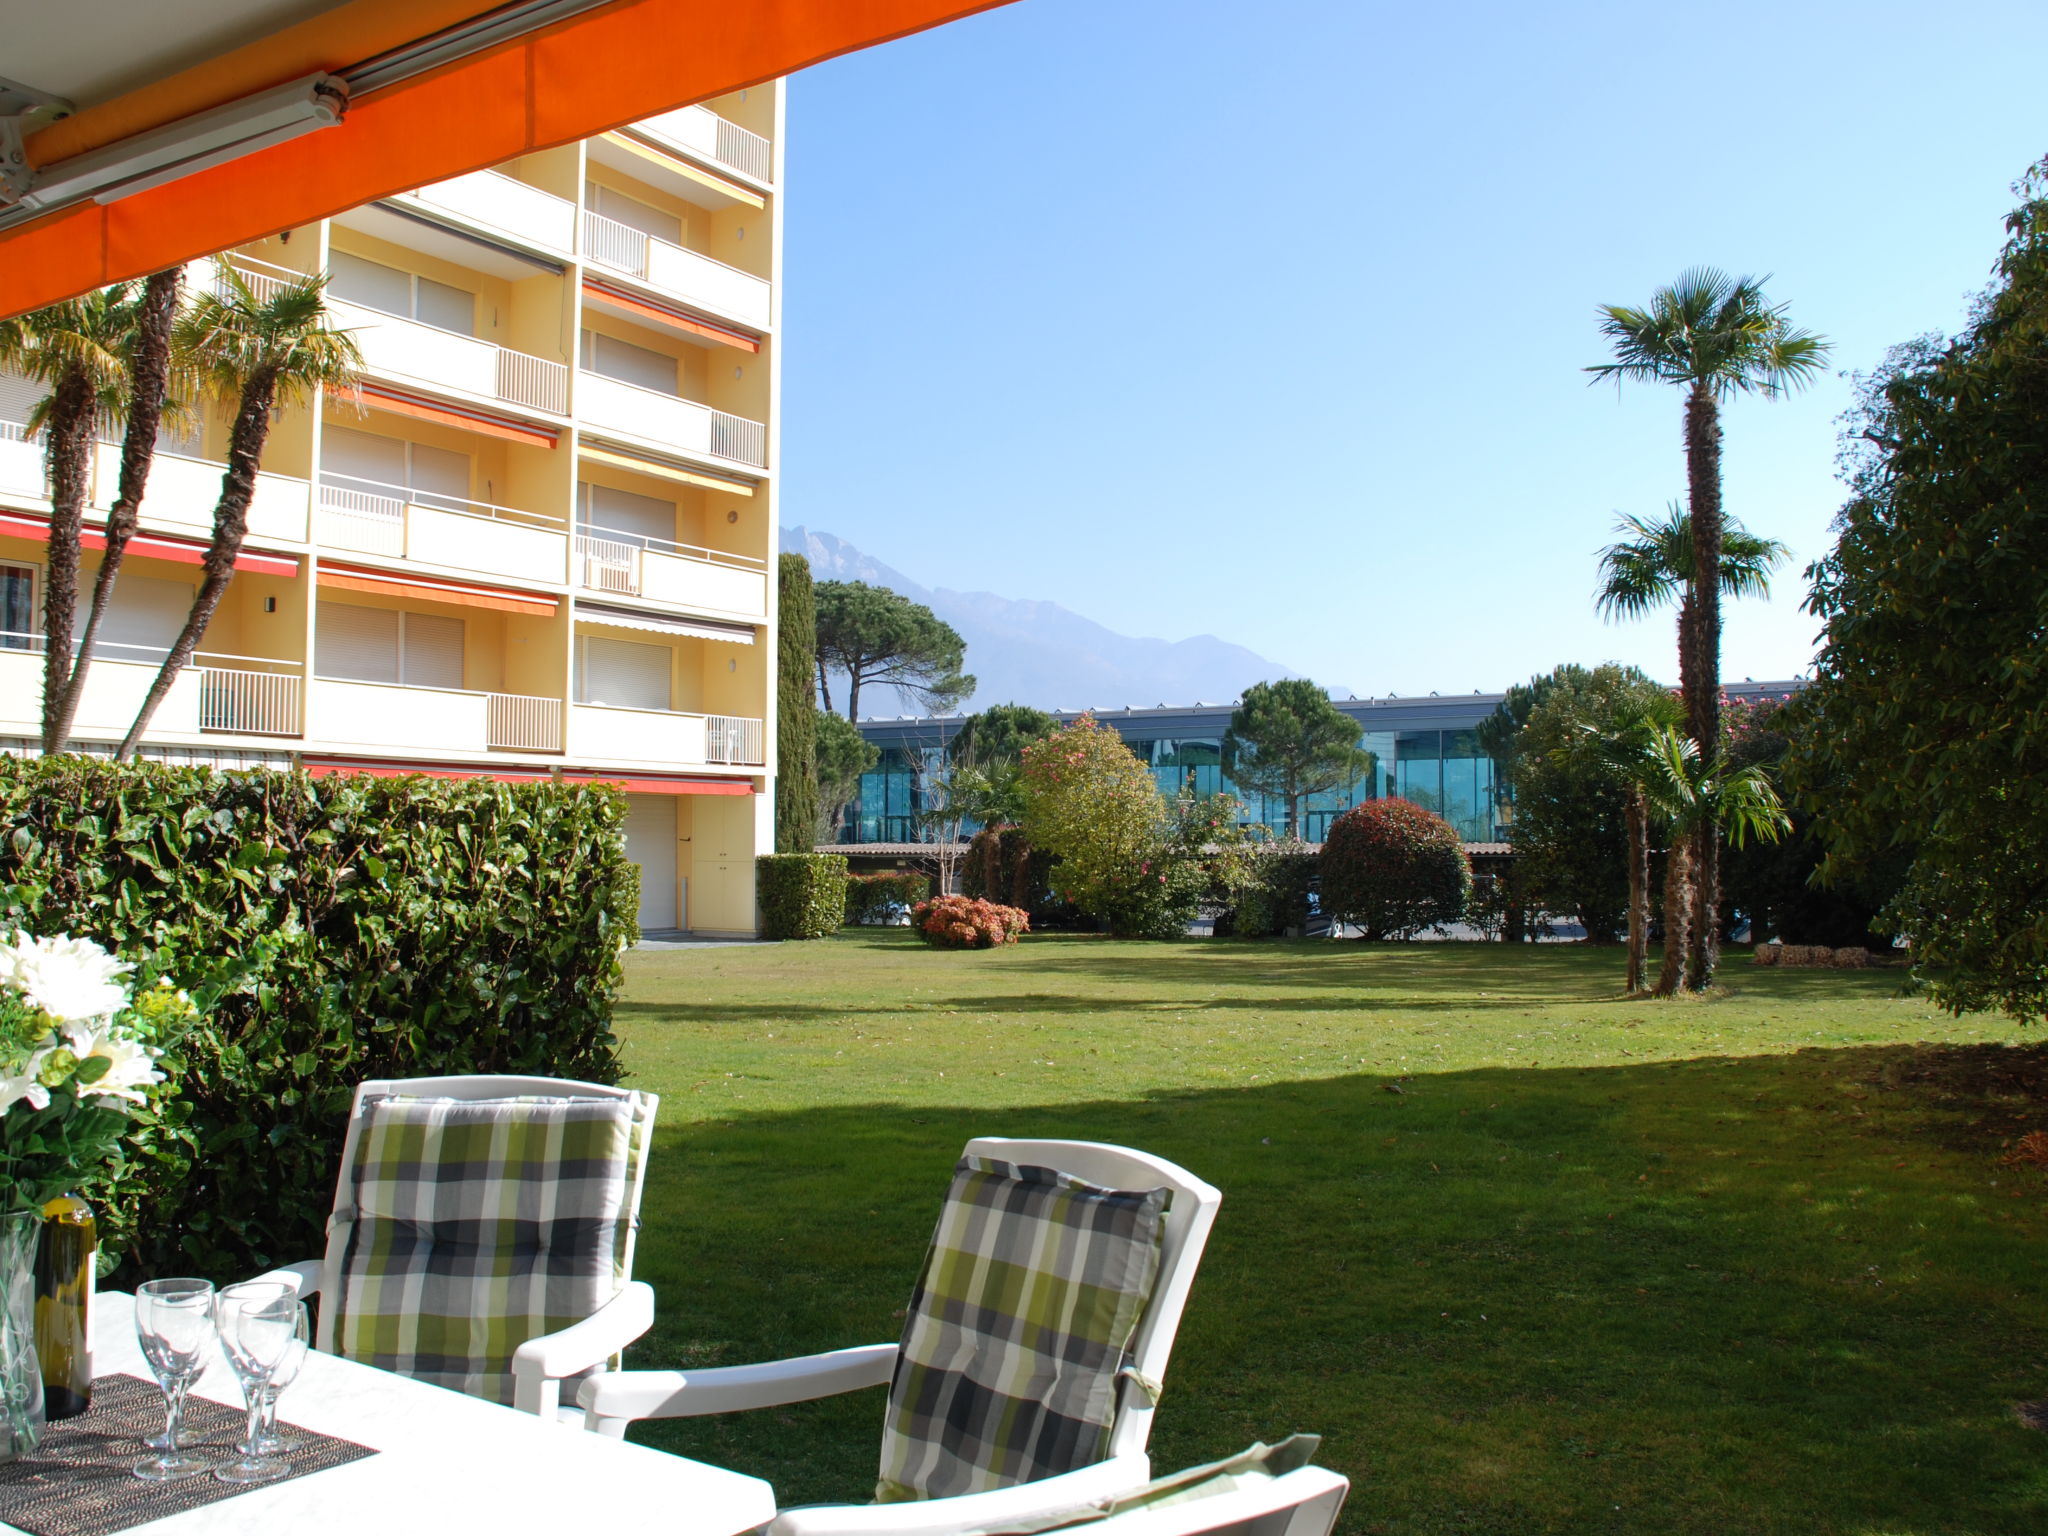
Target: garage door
{"points": [[651, 843]]}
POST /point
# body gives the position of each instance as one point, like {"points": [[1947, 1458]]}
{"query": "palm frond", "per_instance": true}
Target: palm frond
{"points": [[1713, 332]]}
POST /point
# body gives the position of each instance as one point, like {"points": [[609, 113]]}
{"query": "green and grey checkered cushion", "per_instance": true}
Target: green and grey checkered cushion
{"points": [[1034, 1286], [471, 1226]]}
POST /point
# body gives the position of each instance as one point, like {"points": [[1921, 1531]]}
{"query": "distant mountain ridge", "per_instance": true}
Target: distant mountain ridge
{"points": [[1038, 653]]}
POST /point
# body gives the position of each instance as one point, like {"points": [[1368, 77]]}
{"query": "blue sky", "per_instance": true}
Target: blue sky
{"points": [[1267, 321]]}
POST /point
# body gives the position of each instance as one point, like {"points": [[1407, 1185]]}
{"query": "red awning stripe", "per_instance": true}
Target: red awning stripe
{"points": [[152, 547], [351, 578], [377, 398], [634, 784], [674, 319]]}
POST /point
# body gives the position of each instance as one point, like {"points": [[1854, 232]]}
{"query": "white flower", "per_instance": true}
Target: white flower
{"points": [[13, 1089], [69, 979], [131, 1067]]}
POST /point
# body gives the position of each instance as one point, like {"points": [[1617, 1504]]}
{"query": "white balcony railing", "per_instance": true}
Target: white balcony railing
{"points": [[205, 697], [249, 703], [505, 203], [684, 574], [395, 347], [183, 492], [668, 421], [694, 278], [264, 280], [522, 723], [372, 518], [703, 134], [732, 739]]}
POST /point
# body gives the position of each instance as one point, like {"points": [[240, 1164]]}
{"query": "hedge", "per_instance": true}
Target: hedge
{"points": [[1276, 901], [802, 895], [875, 899], [1394, 869], [376, 927]]}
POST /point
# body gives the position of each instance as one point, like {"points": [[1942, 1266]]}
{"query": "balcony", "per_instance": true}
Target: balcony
{"points": [[429, 720], [681, 274], [21, 463], [473, 537], [511, 207], [183, 492], [394, 347], [605, 731], [668, 423], [681, 574], [703, 135], [217, 694]]}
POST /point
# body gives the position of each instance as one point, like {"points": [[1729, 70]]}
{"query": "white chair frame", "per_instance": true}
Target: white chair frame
{"points": [[540, 1365], [614, 1399], [1310, 1497]]}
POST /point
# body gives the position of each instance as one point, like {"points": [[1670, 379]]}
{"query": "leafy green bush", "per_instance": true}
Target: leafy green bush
{"points": [[875, 898], [375, 927], [1394, 869], [1274, 898], [803, 895]]}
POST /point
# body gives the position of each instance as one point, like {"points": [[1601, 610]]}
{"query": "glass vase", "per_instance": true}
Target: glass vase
{"points": [[21, 1376]]}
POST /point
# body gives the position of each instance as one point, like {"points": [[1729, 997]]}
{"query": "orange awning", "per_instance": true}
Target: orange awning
{"points": [[576, 69], [634, 784], [149, 547], [348, 578], [374, 397], [671, 319]]}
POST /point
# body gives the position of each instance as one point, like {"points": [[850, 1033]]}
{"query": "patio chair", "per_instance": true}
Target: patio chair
{"points": [[482, 1235], [1305, 1502], [1031, 1362]]}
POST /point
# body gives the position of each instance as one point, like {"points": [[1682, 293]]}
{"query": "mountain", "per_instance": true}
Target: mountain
{"points": [[1026, 652]]}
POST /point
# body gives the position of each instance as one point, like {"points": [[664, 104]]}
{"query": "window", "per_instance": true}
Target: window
{"points": [[383, 645], [621, 360], [17, 607], [364, 461], [634, 214], [393, 292], [144, 618], [624, 515], [622, 673]]}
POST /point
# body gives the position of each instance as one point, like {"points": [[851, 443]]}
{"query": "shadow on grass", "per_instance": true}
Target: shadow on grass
{"points": [[1756, 1294]]}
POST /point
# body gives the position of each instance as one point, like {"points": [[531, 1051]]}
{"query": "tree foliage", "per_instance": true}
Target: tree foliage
{"points": [[796, 707], [1394, 869], [1926, 717], [986, 761], [842, 755], [1286, 739], [876, 636]]}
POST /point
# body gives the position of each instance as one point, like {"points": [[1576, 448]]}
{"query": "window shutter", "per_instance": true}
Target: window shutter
{"points": [[362, 460], [359, 644], [433, 651], [621, 360], [439, 477], [623, 673], [19, 396], [634, 214], [145, 617], [445, 308], [370, 284], [605, 510]]}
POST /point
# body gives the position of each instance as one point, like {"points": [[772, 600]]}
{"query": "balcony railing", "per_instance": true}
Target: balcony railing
{"points": [[694, 278], [249, 703], [506, 203], [629, 565], [217, 693], [265, 280], [372, 518], [700, 132], [732, 739], [516, 722], [669, 421], [443, 360], [354, 712]]}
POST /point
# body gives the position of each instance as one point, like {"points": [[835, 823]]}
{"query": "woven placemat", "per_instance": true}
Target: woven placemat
{"points": [[81, 1479]]}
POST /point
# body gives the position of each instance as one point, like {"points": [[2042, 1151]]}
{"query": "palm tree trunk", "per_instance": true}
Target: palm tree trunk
{"points": [[1703, 696], [230, 525], [67, 457], [148, 374], [1677, 914], [1638, 890]]}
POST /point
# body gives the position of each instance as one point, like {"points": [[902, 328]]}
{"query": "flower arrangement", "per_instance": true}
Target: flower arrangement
{"points": [[79, 1051], [965, 922]]}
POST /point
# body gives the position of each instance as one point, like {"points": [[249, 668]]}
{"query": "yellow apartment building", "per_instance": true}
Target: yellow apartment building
{"points": [[538, 542]]}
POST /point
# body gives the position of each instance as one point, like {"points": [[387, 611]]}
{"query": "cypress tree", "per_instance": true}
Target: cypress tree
{"points": [[796, 766]]}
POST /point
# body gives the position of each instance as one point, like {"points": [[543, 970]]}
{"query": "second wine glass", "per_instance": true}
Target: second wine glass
{"points": [[258, 1322]]}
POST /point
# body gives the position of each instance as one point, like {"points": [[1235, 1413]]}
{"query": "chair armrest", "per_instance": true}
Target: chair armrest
{"points": [[1070, 1491], [613, 1399], [539, 1364], [303, 1277]]}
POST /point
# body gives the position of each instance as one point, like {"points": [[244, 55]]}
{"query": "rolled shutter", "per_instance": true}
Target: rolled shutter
{"points": [[19, 396], [623, 673], [370, 284], [433, 651], [358, 644], [634, 214], [143, 619], [605, 510]]}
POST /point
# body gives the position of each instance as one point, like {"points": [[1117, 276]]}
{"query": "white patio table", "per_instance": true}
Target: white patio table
{"points": [[446, 1463]]}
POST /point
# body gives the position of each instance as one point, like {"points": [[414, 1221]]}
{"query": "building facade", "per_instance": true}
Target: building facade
{"points": [[1425, 750], [539, 540]]}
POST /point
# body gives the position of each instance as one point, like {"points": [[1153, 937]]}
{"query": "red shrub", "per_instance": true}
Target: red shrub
{"points": [[1394, 869], [963, 922]]}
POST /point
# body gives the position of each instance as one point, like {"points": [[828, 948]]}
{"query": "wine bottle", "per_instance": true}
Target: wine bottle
{"points": [[64, 1287]]}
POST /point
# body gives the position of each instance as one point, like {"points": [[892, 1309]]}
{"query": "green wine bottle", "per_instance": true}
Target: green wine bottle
{"points": [[64, 1287]]}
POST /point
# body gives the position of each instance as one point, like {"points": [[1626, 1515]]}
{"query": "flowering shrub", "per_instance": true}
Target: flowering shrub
{"points": [[1394, 869], [964, 922], [78, 1058]]}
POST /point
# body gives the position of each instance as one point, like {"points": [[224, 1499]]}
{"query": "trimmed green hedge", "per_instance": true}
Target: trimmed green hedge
{"points": [[802, 895], [1276, 900], [381, 927], [872, 898]]}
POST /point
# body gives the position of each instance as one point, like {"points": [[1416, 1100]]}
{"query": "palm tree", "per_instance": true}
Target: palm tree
{"points": [[262, 351], [1700, 799], [80, 349], [1628, 750], [1712, 336]]}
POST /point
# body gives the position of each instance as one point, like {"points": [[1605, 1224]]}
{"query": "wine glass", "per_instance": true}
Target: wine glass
{"points": [[258, 1322], [270, 1442], [174, 1324]]}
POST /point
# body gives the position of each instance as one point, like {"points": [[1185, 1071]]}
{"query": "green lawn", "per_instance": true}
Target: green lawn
{"points": [[1741, 1265]]}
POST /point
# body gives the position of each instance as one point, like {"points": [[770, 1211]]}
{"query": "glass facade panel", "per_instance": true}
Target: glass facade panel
{"points": [[1418, 768], [1468, 787]]}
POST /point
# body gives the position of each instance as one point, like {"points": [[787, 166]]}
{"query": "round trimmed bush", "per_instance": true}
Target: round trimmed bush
{"points": [[966, 922], [1394, 869]]}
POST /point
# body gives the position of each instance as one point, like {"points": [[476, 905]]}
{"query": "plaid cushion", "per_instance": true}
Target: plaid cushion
{"points": [[471, 1226], [1031, 1293]]}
